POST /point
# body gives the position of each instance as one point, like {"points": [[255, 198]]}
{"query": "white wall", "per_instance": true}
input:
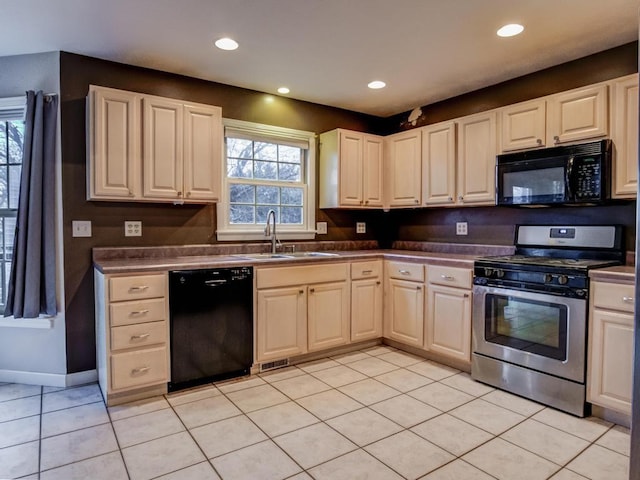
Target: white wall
{"points": [[35, 355]]}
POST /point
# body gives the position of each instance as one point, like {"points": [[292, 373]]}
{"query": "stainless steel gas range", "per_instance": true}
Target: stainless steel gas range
{"points": [[530, 312]]}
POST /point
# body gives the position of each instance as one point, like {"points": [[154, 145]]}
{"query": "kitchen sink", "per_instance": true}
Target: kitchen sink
{"points": [[281, 256]]}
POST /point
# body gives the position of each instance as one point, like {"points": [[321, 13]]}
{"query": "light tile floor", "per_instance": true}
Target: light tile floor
{"points": [[374, 414]]}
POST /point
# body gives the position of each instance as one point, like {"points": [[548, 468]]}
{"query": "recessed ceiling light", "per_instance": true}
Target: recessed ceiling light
{"points": [[226, 43], [376, 84], [510, 30], [283, 90]]}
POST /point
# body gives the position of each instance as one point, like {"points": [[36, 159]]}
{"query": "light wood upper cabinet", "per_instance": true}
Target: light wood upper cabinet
{"points": [[203, 141], [162, 139], [523, 125], [147, 148], [578, 115], [477, 149], [624, 133], [350, 169], [403, 154], [114, 144], [610, 359], [439, 164]]}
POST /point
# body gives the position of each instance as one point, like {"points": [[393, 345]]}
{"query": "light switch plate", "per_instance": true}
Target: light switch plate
{"points": [[361, 227], [81, 228], [321, 228], [132, 229], [461, 228]]}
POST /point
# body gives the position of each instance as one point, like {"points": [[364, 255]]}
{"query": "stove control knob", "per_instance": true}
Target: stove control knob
{"points": [[488, 272], [581, 293], [548, 278], [563, 279], [499, 273]]}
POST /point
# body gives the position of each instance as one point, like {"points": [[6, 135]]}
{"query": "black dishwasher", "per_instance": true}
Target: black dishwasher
{"points": [[211, 325]]}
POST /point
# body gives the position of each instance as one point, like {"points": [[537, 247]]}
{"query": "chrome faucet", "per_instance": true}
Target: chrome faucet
{"points": [[267, 230]]}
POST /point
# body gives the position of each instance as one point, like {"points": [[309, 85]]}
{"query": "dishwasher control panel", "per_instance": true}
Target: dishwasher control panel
{"points": [[240, 273]]}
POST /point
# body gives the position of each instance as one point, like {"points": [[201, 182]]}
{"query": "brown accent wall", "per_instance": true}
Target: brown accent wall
{"points": [[163, 224]]}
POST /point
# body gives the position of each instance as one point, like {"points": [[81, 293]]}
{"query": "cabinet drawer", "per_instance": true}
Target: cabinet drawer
{"points": [[450, 276], [139, 335], [366, 270], [140, 286], [406, 271], [614, 296], [139, 367], [141, 311]]}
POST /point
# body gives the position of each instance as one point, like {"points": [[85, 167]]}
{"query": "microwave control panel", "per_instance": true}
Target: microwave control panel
{"points": [[587, 175]]}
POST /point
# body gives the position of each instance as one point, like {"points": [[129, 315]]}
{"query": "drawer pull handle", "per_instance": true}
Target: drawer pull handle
{"points": [[140, 337], [140, 288], [139, 312], [140, 370], [448, 278], [627, 299], [405, 272], [367, 272]]}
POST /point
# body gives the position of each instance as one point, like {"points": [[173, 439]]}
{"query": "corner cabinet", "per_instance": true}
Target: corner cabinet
{"points": [[132, 332], [403, 155], [477, 149], [624, 133], [147, 148], [350, 170], [610, 359]]}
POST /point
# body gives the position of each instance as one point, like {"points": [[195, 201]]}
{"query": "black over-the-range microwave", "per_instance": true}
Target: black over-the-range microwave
{"points": [[567, 175]]}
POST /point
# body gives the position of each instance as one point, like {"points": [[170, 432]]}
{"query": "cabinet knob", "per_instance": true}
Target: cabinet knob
{"points": [[378, 282], [627, 299], [188, 194], [418, 287], [539, 141], [311, 290], [450, 199], [366, 202], [179, 194], [360, 202], [460, 197], [556, 139], [416, 201], [300, 292]]}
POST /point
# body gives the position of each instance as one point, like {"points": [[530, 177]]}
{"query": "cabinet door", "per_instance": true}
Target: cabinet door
{"points": [[523, 125], [372, 172], [114, 133], [439, 164], [366, 309], [611, 360], [624, 133], [163, 148], [578, 115], [449, 322], [477, 159], [404, 168], [202, 152], [405, 312], [351, 144], [328, 315], [281, 328]]}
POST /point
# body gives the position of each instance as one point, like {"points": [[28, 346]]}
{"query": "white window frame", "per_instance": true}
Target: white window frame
{"points": [[260, 132]]}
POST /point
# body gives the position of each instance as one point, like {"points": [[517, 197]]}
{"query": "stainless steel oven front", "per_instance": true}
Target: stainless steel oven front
{"points": [[532, 344]]}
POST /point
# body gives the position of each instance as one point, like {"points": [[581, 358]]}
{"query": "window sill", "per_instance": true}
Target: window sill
{"points": [[41, 322], [237, 235]]}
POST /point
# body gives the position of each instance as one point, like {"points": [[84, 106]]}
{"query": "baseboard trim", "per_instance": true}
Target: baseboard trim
{"points": [[49, 379]]}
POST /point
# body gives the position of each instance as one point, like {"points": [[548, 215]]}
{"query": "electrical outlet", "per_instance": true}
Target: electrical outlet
{"points": [[321, 228], [461, 228], [81, 228], [132, 229], [361, 227]]}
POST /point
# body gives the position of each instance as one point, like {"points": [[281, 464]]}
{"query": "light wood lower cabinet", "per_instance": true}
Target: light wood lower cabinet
{"points": [[404, 320], [610, 362], [366, 300], [301, 309], [132, 333]]}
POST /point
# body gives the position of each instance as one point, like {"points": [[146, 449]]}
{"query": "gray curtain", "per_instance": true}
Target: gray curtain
{"points": [[32, 284]]}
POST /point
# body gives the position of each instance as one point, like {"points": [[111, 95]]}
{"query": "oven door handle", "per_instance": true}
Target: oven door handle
{"points": [[567, 178]]}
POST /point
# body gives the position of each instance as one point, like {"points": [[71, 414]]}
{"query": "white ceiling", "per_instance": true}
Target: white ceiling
{"points": [[326, 51]]}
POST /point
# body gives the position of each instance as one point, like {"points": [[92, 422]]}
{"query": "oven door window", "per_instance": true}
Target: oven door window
{"points": [[531, 326]]}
